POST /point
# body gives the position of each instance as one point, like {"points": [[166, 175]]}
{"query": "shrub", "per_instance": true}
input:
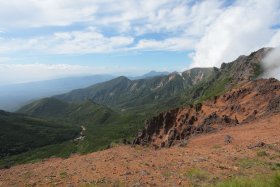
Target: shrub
{"points": [[262, 153]]}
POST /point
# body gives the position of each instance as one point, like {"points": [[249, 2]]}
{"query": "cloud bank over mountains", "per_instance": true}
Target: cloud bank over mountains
{"points": [[210, 32], [246, 26]]}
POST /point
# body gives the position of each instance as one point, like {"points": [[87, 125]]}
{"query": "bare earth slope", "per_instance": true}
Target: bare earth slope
{"points": [[206, 155], [236, 134]]}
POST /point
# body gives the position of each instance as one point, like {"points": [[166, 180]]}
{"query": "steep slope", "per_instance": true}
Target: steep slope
{"points": [[47, 107], [20, 133], [205, 161], [55, 108], [249, 101], [246, 67], [14, 96], [242, 69]]}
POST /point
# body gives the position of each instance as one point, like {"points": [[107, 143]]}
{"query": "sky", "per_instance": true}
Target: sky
{"points": [[46, 39]]}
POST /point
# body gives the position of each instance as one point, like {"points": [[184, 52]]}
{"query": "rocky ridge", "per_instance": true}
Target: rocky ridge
{"points": [[246, 103], [245, 67]]}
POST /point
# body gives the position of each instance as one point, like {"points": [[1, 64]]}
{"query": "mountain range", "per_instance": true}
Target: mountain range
{"points": [[170, 90], [223, 119], [150, 74], [14, 96], [115, 110]]}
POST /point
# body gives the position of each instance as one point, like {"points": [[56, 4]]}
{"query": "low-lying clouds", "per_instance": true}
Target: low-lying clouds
{"points": [[15, 73], [21, 73], [271, 64]]}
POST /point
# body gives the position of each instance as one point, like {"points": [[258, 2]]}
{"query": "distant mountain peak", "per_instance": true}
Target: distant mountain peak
{"points": [[155, 73], [151, 74]]}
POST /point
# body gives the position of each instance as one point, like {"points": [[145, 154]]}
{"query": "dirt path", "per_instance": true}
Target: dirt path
{"points": [[82, 134], [205, 159]]}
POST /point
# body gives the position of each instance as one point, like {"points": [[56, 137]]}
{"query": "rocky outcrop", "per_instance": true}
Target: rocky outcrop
{"points": [[245, 67], [228, 139], [274, 105], [248, 102], [163, 122]]}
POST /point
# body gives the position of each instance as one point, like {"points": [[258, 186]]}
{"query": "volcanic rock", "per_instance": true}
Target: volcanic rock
{"points": [[246, 103]]}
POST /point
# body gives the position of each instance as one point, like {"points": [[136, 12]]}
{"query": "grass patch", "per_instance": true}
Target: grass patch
{"points": [[247, 163], [209, 90], [63, 175], [217, 147], [258, 71], [274, 166], [103, 182], [262, 153], [259, 181], [197, 175]]}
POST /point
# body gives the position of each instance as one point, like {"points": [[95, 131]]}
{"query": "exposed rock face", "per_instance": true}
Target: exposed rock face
{"points": [[249, 101], [274, 105], [244, 67]]}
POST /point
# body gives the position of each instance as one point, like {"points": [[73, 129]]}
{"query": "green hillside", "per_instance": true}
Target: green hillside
{"points": [[102, 127], [20, 133]]}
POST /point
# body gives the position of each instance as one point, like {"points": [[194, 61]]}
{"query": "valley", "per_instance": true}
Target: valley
{"points": [[21, 133]]}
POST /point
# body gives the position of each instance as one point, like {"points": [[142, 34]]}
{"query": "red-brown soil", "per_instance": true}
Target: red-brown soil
{"points": [[205, 159], [243, 104]]}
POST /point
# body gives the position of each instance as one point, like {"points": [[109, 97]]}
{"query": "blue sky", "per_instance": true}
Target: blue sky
{"points": [[56, 38]]}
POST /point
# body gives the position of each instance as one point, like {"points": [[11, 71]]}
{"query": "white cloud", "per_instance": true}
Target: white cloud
{"points": [[89, 41], [76, 42], [275, 40], [272, 64], [202, 15], [178, 17], [4, 59], [36, 13], [176, 20], [170, 44], [240, 29], [215, 32]]}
